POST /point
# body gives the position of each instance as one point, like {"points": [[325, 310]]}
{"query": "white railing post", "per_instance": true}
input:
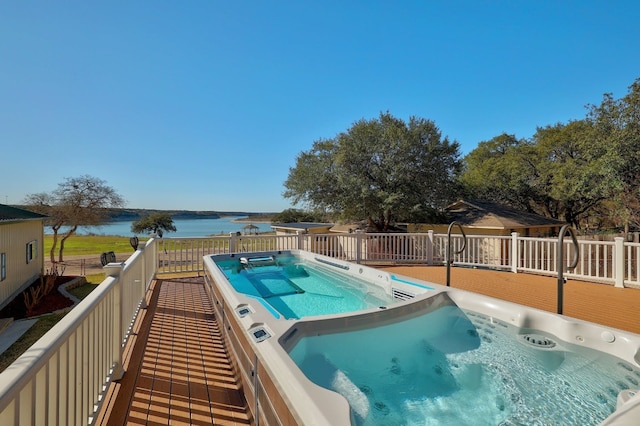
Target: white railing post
{"points": [[359, 234], [232, 241], [115, 270], [430, 247], [300, 240], [152, 254], [618, 262], [152, 250], [515, 252], [143, 277]]}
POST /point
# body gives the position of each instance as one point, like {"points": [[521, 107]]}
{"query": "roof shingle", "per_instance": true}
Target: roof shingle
{"points": [[15, 214], [491, 215]]}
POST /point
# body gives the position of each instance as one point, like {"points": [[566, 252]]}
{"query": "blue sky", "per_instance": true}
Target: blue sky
{"points": [[204, 105]]}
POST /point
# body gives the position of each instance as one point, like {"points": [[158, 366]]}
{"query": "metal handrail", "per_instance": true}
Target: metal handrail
{"points": [[560, 260], [449, 253]]}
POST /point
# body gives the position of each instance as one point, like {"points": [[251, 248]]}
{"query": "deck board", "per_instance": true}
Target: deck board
{"points": [[178, 373]]}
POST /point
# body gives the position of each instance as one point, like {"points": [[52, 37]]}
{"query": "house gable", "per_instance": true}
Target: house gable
{"points": [[21, 250], [484, 214], [487, 218]]}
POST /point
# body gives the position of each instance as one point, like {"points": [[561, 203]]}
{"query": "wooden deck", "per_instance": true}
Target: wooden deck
{"points": [[178, 371]]}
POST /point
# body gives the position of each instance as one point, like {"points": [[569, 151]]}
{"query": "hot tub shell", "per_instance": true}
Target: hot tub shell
{"points": [[276, 390]]}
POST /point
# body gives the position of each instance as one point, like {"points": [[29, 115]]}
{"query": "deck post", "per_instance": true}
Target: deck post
{"points": [[232, 242], [300, 235], [430, 247], [142, 282], [618, 262], [359, 234], [515, 252], [151, 250], [114, 270]]}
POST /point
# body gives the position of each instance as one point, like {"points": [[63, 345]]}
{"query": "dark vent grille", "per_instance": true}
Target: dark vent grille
{"points": [[538, 341], [402, 295]]}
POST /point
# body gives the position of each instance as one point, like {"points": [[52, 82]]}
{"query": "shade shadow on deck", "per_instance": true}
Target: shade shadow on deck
{"points": [[177, 370]]}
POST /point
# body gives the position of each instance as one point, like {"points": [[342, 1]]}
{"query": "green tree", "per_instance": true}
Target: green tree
{"points": [[616, 124], [572, 171], [500, 170], [297, 215], [562, 172], [79, 201], [379, 170], [586, 172], [157, 223]]}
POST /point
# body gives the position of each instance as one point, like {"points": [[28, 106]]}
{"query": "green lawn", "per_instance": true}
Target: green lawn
{"points": [[90, 244], [29, 338], [84, 290]]}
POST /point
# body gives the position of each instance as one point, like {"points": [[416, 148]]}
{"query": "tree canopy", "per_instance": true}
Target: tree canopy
{"points": [[496, 171], [157, 223], [78, 201], [616, 124], [584, 172], [297, 215], [382, 170]]}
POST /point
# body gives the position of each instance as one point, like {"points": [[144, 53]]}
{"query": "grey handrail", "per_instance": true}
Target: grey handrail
{"points": [[449, 253], [560, 261]]}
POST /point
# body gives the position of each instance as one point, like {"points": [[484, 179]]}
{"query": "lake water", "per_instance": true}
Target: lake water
{"points": [[185, 227]]}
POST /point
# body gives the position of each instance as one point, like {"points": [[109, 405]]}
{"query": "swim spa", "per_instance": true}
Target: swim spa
{"points": [[293, 287], [442, 355]]}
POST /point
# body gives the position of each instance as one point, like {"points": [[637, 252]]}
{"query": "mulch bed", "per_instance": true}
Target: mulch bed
{"points": [[50, 303]]}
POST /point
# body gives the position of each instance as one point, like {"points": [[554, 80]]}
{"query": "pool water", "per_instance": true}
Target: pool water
{"points": [[456, 367], [295, 289]]}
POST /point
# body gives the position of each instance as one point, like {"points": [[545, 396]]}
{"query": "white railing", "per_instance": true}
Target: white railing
{"points": [[182, 255], [611, 262], [537, 255], [480, 251], [61, 379], [631, 263], [596, 259]]}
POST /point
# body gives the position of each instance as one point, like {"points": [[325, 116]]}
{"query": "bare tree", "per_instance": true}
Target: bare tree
{"points": [[79, 201]]}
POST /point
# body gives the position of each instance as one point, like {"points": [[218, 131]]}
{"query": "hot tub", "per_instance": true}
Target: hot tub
{"points": [[429, 354]]}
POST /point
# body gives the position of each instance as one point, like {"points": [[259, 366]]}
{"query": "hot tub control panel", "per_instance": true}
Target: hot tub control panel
{"points": [[259, 333], [244, 310]]}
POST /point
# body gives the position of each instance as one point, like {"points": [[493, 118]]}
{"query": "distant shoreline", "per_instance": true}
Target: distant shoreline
{"points": [[124, 214], [193, 227], [251, 220]]}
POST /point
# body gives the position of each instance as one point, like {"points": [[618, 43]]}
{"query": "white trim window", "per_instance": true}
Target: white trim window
{"points": [[32, 251]]}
